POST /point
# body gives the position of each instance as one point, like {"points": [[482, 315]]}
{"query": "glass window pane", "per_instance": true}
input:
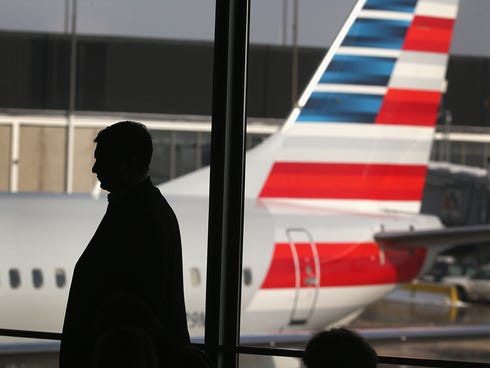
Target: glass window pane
{"points": [[299, 274], [313, 197], [140, 70], [160, 163], [37, 278], [205, 148], [185, 153], [41, 159], [474, 154], [60, 278], [14, 278]]}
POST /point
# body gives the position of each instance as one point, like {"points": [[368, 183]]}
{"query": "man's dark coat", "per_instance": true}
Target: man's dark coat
{"points": [[136, 251]]}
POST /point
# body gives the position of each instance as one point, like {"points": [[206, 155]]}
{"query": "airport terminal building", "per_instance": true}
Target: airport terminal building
{"points": [[49, 116]]}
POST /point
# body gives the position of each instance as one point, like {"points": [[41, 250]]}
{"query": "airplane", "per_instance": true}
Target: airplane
{"points": [[332, 199]]}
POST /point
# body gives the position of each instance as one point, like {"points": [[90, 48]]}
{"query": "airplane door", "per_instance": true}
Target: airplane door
{"points": [[307, 274]]}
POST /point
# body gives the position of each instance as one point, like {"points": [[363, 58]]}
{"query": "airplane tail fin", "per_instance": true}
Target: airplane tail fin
{"points": [[362, 131]]}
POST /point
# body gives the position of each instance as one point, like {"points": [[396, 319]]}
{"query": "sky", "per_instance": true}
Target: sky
{"points": [[318, 20]]}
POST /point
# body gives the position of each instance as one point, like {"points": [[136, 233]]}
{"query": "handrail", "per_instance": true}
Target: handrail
{"points": [[30, 334], [414, 362], [292, 353], [419, 362]]}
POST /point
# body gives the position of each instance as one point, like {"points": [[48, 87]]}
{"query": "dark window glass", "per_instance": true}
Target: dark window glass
{"points": [[204, 148], [37, 278], [60, 277], [14, 277], [247, 276], [161, 162], [185, 154]]}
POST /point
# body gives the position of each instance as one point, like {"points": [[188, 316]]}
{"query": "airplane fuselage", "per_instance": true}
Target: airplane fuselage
{"points": [[303, 268]]}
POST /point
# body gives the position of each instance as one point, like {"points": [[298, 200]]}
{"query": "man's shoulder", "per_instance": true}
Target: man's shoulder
{"points": [[159, 204]]}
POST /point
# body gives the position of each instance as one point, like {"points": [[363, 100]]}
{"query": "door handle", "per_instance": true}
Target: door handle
{"points": [[309, 280]]}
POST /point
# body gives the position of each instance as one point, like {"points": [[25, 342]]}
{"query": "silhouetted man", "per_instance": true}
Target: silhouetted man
{"points": [[136, 249]]}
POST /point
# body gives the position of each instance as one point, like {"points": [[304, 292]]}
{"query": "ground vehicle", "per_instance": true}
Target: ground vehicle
{"points": [[474, 285]]}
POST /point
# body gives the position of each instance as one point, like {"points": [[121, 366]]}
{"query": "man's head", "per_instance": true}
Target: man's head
{"points": [[339, 348], [122, 155]]}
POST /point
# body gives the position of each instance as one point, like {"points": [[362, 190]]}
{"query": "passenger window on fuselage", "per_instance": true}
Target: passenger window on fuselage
{"points": [[247, 276], [37, 278], [60, 277], [14, 277]]}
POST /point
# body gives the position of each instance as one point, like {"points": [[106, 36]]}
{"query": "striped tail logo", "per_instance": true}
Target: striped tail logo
{"points": [[363, 129]]}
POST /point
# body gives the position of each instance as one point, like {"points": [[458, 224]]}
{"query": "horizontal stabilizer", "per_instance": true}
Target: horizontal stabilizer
{"points": [[434, 238]]}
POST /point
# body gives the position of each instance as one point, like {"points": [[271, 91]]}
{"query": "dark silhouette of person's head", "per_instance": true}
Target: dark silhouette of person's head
{"points": [[339, 348], [122, 155]]}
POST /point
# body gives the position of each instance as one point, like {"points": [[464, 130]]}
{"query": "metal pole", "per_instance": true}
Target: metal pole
{"points": [[14, 156], [172, 156], [225, 230], [284, 33], [67, 16], [447, 135], [294, 64], [72, 100]]}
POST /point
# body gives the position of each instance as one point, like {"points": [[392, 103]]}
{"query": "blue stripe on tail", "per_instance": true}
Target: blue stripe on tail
{"points": [[341, 107], [405, 6], [377, 33], [364, 70]]}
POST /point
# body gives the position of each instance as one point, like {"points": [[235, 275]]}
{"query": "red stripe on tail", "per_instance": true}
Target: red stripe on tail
{"points": [[406, 107], [345, 181], [429, 34]]}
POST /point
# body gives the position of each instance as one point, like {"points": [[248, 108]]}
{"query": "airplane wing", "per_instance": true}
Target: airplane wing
{"points": [[457, 235]]}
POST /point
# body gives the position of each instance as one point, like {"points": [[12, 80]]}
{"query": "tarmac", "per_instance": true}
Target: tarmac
{"points": [[399, 311]]}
